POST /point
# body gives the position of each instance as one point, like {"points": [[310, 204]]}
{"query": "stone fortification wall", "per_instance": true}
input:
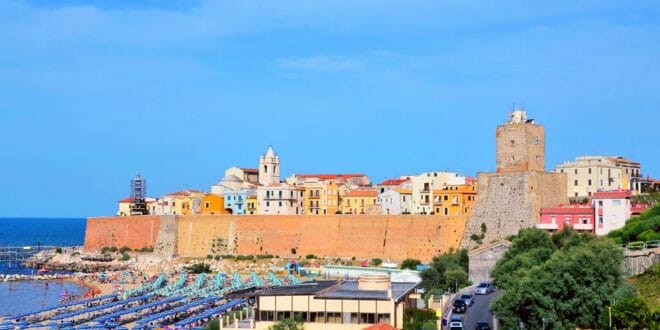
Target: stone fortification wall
{"points": [[360, 236], [135, 232], [508, 202]]}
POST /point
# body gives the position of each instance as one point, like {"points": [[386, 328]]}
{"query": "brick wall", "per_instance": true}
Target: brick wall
{"points": [[361, 236], [135, 232]]}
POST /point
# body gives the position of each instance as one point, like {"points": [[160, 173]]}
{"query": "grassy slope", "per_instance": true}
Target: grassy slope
{"points": [[648, 286]]}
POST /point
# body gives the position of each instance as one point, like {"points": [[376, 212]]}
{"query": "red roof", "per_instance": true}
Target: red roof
{"points": [[362, 193], [564, 209], [380, 326], [249, 170], [330, 176], [392, 182], [126, 200], [186, 192], [613, 194]]}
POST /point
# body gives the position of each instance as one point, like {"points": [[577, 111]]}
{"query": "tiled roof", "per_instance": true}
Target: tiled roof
{"points": [[392, 182], [330, 176], [403, 191], [362, 193], [249, 170], [613, 194], [183, 193]]}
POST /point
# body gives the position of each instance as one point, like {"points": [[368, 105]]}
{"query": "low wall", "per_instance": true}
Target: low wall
{"points": [[361, 236], [135, 232]]}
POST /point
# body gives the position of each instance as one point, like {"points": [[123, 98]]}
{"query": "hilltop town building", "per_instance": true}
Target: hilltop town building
{"points": [[181, 202], [124, 206], [213, 204], [324, 198], [403, 183], [423, 187], [590, 174], [510, 199], [455, 199], [361, 201], [269, 168], [352, 180], [395, 201]]}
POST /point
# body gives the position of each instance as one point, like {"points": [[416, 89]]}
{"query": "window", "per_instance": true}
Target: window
{"points": [[589, 170], [446, 197], [367, 318], [300, 316], [267, 315], [600, 203], [354, 318], [385, 318], [207, 205], [575, 182], [318, 317], [575, 171], [267, 203], [567, 220], [266, 168], [600, 220], [333, 317], [536, 140], [553, 219], [589, 182], [446, 211], [280, 203], [616, 202], [283, 315], [280, 194]]}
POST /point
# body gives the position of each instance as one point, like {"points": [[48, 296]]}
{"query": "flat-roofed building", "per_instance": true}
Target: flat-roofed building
{"points": [[590, 174], [349, 305]]}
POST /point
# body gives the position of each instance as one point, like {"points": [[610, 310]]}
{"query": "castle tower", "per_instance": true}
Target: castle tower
{"points": [[510, 198], [520, 145], [269, 168]]}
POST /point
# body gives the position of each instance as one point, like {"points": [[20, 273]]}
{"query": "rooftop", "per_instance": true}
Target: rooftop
{"points": [[339, 290], [393, 182], [612, 194], [362, 193], [330, 176]]}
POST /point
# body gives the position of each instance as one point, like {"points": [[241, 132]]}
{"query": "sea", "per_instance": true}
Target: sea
{"points": [[26, 296]]}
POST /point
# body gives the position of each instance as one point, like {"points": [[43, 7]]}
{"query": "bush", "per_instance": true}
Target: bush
{"points": [[310, 256], [125, 257], [213, 325], [246, 257], [105, 249], [217, 257], [264, 256], [58, 250], [287, 324], [113, 249], [410, 264], [75, 254], [147, 249], [228, 256], [209, 256], [414, 318], [198, 268], [376, 262], [124, 249], [293, 251]]}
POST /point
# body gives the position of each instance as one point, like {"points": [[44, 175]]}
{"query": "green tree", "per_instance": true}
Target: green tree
{"points": [[376, 262], [288, 324], [645, 227], [410, 264], [415, 319], [568, 280], [447, 271], [631, 313]]}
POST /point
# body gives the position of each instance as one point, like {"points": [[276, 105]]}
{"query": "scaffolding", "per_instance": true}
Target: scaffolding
{"points": [[139, 196]]}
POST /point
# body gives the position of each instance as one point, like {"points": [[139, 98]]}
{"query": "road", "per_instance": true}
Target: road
{"points": [[479, 311]]}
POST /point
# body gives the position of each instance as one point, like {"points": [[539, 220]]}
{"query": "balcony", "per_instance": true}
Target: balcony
{"points": [[583, 226], [547, 226]]}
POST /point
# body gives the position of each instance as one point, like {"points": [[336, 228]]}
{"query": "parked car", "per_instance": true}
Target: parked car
{"points": [[484, 288], [456, 318], [469, 299], [456, 326], [482, 325], [459, 306]]}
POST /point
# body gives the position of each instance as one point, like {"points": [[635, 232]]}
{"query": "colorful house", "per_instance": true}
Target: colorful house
{"points": [[323, 198], [395, 201], [251, 204], [213, 204], [361, 201], [455, 199], [577, 216], [124, 206], [182, 202]]}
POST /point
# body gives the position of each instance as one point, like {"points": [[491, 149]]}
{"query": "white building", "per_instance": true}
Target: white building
{"points": [[236, 179], [395, 201], [612, 210], [280, 199], [423, 186], [590, 174], [269, 168]]}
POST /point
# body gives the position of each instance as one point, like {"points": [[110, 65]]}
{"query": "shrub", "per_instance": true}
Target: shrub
{"points": [[310, 256], [246, 257], [75, 254], [228, 256], [124, 249], [198, 268], [410, 264], [376, 262], [217, 257], [125, 257], [113, 249], [147, 249], [213, 325], [209, 256], [105, 249], [58, 250], [264, 256]]}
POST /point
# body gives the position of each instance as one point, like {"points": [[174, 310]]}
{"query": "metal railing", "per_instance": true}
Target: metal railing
{"points": [[640, 246]]}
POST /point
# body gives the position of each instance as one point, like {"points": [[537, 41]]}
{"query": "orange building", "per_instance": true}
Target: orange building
{"points": [[213, 204], [361, 201], [455, 199]]}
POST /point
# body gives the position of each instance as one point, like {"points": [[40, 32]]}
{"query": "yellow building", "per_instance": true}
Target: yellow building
{"points": [[251, 205], [213, 204], [323, 198], [124, 206], [182, 202], [454, 199], [360, 201]]}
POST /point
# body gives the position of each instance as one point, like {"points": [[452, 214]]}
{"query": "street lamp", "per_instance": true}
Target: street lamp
{"points": [[543, 320]]}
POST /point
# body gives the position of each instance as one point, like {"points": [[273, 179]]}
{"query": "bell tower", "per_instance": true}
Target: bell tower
{"points": [[269, 168]]}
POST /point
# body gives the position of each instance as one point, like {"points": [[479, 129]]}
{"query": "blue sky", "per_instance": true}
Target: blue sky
{"points": [[93, 92]]}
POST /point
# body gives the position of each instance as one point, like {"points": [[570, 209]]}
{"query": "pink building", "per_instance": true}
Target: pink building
{"points": [[609, 210], [578, 217]]}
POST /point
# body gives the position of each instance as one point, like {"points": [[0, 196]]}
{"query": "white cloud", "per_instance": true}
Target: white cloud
{"points": [[321, 63]]}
